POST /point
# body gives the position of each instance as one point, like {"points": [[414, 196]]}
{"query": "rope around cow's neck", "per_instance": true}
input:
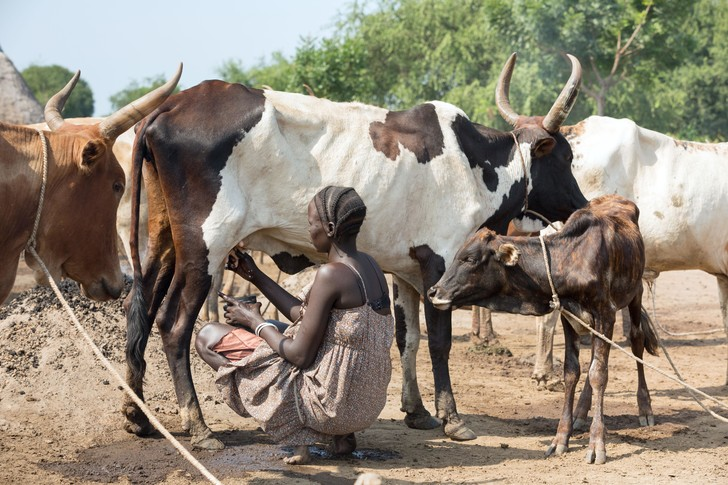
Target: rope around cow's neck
{"points": [[44, 181], [556, 305], [30, 247]]}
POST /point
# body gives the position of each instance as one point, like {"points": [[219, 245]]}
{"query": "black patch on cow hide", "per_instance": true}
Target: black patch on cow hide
{"points": [[417, 130], [290, 264], [483, 147]]}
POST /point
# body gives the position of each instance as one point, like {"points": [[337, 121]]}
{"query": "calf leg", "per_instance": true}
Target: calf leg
{"points": [[407, 321], [543, 370], [598, 376], [560, 443], [637, 340]]}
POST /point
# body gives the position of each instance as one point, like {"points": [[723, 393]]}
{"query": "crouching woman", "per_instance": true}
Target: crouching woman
{"points": [[324, 377]]}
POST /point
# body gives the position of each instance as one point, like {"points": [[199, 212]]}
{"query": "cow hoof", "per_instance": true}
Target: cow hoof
{"points": [[209, 443], [580, 425], [459, 432], [136, 422], [556, 450], [422, 421], [140, 430], [647, 420], [596, 457]]}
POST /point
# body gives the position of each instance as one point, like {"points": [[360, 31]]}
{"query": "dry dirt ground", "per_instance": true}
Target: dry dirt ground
{"points": [[60, 419]]}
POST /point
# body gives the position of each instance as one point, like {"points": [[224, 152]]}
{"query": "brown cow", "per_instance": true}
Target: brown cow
{"points": [[76, 235], [596, 263]]}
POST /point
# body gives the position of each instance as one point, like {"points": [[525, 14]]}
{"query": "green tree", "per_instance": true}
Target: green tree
{"points": [[45, 81], [276, 73], [136, 90]]}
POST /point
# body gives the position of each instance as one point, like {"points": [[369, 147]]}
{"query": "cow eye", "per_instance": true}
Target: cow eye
{"points": [[118, 187]]}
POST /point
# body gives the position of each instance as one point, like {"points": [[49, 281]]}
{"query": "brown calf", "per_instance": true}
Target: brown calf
{"points": [[596, 264]]}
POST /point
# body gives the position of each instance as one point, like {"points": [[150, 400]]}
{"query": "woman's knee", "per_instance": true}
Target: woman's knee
{"points": [[209, 336]]}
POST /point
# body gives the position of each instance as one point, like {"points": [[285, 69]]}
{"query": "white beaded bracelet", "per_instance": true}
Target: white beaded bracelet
{"points": [[262, 326]]}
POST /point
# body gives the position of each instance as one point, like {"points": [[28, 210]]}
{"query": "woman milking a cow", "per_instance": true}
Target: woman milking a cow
{"points": [[325, 376]]}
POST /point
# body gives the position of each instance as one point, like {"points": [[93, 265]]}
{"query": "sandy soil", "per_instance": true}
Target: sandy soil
{"points": [[60, 419]]}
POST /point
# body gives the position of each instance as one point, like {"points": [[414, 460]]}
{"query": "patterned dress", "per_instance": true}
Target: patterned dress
{"points": [[343, 391]]}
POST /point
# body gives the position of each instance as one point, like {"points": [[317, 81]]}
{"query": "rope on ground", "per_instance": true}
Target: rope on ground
{"points": [[182, 450], [650, 286]]}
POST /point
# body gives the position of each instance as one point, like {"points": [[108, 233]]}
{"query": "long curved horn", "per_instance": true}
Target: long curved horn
{"points": [[501, 92], [54, 106], [561, 108], [117, 123]]}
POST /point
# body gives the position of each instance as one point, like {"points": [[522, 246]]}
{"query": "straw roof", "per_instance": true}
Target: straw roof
{"points": [[17, 103]]}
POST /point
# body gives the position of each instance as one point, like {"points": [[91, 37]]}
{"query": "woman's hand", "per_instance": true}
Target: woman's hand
{"points": [[242, 264], [237, 314]]}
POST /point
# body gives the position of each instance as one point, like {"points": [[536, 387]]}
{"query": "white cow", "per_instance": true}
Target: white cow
{"points": [[681, 190]]}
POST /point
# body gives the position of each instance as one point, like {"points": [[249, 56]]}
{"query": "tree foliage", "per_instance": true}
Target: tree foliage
{"points": [[136, 90], [45, 81], [662, 63]]}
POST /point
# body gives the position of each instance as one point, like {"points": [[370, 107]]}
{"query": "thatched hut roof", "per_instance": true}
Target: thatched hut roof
{"points": [[17, 103]]}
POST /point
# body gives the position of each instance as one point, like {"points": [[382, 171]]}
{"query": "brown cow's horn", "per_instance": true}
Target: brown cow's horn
{"points": [[54, 106], [561, 108], [501, 92], [117, 123]]}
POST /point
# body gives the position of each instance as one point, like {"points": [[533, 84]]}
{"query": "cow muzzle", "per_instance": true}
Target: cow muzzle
{"points": [[103, 289], [438, 300]]}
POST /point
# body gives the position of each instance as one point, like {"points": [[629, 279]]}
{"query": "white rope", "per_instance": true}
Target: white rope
{"points": [[31, 248], [44, 182], [182, 450], [663, 329], [555, 304]]}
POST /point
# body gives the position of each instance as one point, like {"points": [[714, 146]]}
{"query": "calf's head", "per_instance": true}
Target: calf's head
{"points": [[77, 233], [477, 272]]}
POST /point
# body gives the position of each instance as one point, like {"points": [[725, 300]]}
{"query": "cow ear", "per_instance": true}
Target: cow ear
{"points": [[92, 152], [507, 254], [543, 147]]}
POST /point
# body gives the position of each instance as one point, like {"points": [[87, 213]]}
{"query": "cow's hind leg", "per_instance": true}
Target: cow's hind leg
{"points": [[598, 376], [176, 324], [560, 443], [407, 321], [144, 300]]}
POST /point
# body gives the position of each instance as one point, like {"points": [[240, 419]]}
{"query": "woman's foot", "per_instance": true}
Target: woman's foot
{"points": [[300, 456], [345, 444]]}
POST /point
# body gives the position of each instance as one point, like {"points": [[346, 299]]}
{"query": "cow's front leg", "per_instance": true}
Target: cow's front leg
{"points": [[543, 369], [176, 324], [407, 321], [723, 299], [598, 376], [560, 443], [439, 341]]}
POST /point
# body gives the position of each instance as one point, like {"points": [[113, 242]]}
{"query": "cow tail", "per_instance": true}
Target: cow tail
{"points": [[138, 326], [648, 331]]}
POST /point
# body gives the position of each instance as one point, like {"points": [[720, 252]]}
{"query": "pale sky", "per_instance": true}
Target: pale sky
{"points": [[115, 43]]}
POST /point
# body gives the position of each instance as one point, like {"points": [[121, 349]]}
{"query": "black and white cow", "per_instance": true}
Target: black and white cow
{"points": [[230, 163]]}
